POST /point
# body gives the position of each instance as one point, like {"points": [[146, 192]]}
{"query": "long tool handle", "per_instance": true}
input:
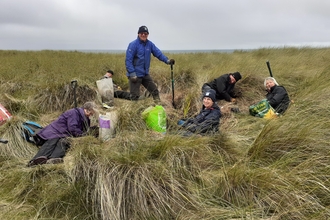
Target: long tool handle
{"points": [[269, 69], [172, 78], [74, 86]]}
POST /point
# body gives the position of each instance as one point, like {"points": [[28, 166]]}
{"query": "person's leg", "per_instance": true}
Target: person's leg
{"points": [[149, 84], [60, 149], [44, 152], [122, 95], [135, 88], [47, 148]]}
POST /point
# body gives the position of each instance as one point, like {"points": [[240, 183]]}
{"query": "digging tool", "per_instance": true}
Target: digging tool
{"points": [[74, 86], [172, 78], [269, 69], [3, 141]]}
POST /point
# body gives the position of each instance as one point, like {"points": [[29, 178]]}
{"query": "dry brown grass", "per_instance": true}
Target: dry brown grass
{"points": [[252, 169]]}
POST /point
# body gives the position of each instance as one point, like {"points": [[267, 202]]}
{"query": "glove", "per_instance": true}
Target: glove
{"points": [[171, 61], [133, 77]]}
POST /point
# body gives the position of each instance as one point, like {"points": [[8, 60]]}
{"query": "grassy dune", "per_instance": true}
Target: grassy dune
{"points": [[252, 169]]}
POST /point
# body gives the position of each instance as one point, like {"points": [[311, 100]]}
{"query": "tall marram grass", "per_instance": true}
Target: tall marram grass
{"points": [[252, 169]]}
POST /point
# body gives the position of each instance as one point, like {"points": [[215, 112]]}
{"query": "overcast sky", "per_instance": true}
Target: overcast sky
{"points": [[173, 24]]}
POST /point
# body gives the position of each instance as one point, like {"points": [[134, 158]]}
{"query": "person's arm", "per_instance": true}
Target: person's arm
{"points": [[129, 60], [221, 89], [211, 120], [158, 53], [205, 121], [75, 123]]}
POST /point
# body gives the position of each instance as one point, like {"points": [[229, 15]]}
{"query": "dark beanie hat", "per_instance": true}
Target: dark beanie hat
{"points": [[143, 29], [211, 94], [110, 71], [237, 76]]}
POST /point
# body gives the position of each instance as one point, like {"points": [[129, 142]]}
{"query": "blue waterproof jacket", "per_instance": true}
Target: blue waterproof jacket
{"points": [[72, 123], [138, 55]]}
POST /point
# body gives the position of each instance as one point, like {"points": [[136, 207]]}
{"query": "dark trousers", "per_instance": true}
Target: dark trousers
{"points": [[53, 148], [122, 95], [147, 83]]}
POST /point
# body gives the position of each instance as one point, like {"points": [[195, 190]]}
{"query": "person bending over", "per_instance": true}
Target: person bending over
{"points": [[72, 123], [223, 86]]}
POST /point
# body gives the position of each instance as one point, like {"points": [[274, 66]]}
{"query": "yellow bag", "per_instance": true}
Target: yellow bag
{"points": [[262, 110]]}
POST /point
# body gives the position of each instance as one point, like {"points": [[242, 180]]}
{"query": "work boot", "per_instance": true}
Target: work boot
{"points": [[147, 94], [54, 160], [37, 161], [157, 101], [141, 97]]}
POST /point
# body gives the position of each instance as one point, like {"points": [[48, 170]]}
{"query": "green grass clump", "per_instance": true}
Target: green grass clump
{"points": [[252, 169]]}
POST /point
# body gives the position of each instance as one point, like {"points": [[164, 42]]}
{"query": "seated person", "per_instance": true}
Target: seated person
{"points": [[208, 119], [277, 96], [223, 86], [118, 93], [72, 123]]}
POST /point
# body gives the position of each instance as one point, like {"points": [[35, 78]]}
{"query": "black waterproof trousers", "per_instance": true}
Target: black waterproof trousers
{"points": [[147, 83], [53, 148]]}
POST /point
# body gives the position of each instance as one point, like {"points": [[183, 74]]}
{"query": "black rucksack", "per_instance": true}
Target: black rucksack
{"points": [[29, 131]]}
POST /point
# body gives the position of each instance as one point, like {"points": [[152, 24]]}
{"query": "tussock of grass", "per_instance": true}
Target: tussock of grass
{"points": [[252, 169]]}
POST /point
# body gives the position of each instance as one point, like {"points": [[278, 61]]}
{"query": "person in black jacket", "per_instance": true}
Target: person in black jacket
{"points": [[277, 96], [208, 119], [223, 86]]}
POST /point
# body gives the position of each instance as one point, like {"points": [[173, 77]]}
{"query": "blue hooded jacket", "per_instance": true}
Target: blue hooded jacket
{"points": [[138, 56]]}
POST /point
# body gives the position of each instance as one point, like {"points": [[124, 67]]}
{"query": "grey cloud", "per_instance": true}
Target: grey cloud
{"points": [[173, 25]]}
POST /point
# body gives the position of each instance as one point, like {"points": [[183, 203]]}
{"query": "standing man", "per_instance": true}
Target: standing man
{"points": [[138, 55], [223, 86]]}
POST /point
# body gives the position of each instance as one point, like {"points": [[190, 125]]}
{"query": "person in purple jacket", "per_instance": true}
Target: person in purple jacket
{"points": [[137, 61], [72, 123]]}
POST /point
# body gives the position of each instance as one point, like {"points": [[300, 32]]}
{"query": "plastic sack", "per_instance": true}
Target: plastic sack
{"points": [[105, 88], [262, 110], [107, 125], [4, 115], [155, 118]]}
